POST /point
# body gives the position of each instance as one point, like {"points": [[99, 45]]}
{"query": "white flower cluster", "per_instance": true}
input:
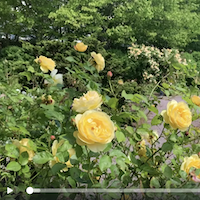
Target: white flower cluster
{"points": [[154, 58], [24, 93]]}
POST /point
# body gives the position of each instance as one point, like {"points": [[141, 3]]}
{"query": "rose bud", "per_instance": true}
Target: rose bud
{"points": [[186, 133], [109, 74], [53, 137]]}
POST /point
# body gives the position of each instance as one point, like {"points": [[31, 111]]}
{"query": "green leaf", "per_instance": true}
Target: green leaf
{"points": [[142, 131], [76, 174], [197, 172], [146, 167], [115, 184], [156, 120], [12, 151], [176, 66], [63, 156], [23, 158], [167, 146], [168, 172], [25, 169], [42, 157], [127, 96], [13, 166], [57, 167], [64, 147], [165, 85], [27, 74], [31, 69], [154, 183], [71, 181], [114, 171], [24, 131], [183, 174], [130, 129], [167, 93], [178, 150], [52, 114], [113, 102], [141, 114], [153, 109], [173, 137], [120, 136], [117, 153], [108, 147], [121, 162], [70, 59], [104, 162], [79, 151]]}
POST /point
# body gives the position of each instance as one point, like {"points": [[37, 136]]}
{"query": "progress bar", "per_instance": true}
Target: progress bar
{"points": [[31, 190]]}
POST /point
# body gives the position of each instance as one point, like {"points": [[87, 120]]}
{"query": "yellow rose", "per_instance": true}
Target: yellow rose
{"points": [[55, 147], [121, 82], [81, 47], [192, 161], [95, 129], [46, 64], [196, 100], [89, 101], [24, 145], [97, 61], [153, 136], [48, 100], [141, 148], [178, 115]]}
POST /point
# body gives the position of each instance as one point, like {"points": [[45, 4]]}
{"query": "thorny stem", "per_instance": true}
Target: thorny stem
{"points": [[89, 166], [157, 85], [111, 88]]}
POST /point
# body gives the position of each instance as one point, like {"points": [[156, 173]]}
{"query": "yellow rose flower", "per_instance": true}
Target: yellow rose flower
{"points": [[89, 101], [192, 161], [97, 61], [95, 129], [55, 147], [81, 47], [121, 82], [48, 100], [153, 136], [24, 145], [46, 64], [196, 100], [141, 148], [177, 115]]}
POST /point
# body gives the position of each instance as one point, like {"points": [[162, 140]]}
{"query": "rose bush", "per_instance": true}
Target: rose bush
{"points": [[104, 138]]}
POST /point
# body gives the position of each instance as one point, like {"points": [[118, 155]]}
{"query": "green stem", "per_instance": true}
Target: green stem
{"points": [[89, 166], [35, 175], [159, 136], [111, 88], [157, 85]]}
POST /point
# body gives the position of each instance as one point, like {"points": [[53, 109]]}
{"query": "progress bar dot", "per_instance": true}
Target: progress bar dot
{"points": [[29, 190]]}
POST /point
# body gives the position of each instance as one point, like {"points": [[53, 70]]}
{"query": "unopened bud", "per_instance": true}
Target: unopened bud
{"points": [[109, 74], [53, 137]]}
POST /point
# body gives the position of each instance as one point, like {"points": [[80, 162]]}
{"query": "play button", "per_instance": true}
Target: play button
{"points": [[9, 190]]}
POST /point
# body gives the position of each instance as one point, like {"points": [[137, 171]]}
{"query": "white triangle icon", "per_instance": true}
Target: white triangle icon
{"points": [[9, 190]]}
